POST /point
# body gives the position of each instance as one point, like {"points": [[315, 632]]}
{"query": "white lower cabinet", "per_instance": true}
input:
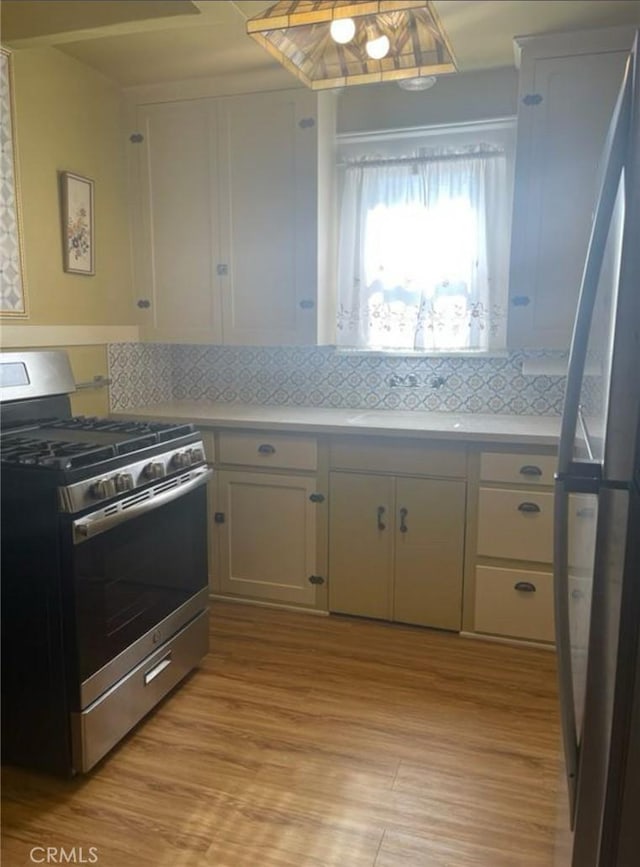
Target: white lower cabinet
{"points": [[265, 518], [514, 602], [511, 569], [265, 529], [396, 548]]}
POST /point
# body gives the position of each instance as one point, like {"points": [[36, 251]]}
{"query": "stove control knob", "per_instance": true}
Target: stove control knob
{"points": [[154, 470], [196, 456], [123, 482], [103, 489], [180, 460]]}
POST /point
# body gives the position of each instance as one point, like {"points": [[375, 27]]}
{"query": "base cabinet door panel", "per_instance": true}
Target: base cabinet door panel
{"points": [[268, 537], [429, 552], [396, 548], [360, 553]]}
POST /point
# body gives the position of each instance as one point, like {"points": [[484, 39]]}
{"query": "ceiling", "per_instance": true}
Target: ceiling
{"points": [[142, 42]]}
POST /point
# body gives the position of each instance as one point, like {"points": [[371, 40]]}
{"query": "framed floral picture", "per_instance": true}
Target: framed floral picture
{"points": [[77, 224]]}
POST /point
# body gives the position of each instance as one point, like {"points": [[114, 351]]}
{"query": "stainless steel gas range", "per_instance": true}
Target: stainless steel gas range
{"points": [[104, 567]]}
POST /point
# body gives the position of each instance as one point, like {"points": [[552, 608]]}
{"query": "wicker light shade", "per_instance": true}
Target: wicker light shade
{"points": [[298, 35]]}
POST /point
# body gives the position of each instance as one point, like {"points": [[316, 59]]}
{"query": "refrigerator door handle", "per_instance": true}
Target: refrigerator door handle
{"points": [[563, 639]]}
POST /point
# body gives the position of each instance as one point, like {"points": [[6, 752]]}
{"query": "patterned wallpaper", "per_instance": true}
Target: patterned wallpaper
{"points": [[12, 299], [143, 374]]}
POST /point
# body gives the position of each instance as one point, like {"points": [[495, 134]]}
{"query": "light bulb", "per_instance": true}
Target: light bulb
{"points": [[343, 30], [378, 48]]}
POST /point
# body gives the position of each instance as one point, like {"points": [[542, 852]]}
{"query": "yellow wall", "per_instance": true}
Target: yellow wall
{"points": [[69, 118]]}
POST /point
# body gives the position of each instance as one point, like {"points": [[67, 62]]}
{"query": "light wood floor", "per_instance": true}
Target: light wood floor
{"points": [[319, 741]]}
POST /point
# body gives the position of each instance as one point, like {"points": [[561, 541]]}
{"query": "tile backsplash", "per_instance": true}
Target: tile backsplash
{"points": [[144, 374]]}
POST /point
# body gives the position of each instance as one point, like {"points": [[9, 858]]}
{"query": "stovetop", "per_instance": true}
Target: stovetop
{"points": [[84, 442]]}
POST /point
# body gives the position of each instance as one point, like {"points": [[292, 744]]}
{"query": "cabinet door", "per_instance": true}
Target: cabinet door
{"points": [[565, 107], [175, 223], [268, 538], [361, 544], [268, 175], [430, 518]]}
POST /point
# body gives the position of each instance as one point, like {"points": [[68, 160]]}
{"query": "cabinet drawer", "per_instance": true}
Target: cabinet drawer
{"points": [[515, 603], [515, 524], [391, 455], [268, 450], [514, 468]]}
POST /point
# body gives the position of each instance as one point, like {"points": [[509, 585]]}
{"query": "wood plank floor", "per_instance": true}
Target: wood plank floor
{"points": [[319, 741]]}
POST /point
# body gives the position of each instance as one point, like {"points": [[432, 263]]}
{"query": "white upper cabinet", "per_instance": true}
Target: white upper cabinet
{"points": [[225, 219], [175, 223], [568, 87], [268, 175]]}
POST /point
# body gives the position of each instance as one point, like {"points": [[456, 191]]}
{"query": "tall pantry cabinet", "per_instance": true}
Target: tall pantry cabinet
{"points": [[567, 92], [224, 203]]}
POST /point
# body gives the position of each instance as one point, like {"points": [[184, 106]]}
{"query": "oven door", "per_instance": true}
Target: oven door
{"points": [[138, 574]]}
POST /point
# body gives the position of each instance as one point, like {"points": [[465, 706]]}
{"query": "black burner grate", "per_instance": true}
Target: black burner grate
{"points": [[58, 454]]}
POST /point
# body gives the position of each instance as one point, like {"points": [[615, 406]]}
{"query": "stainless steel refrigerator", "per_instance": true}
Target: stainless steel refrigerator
{"points": [[597, 518]]}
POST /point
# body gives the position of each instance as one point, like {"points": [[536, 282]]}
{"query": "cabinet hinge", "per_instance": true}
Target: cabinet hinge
{"points": [[222, 270], [136, 138], [521, 301], [316, 579], [306, 122], [317, 498], [144, 303], [532, 98], [307, 304], [218, 517]]}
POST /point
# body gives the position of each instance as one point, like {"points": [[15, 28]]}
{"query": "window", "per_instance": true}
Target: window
{"points": [[424, 240]]}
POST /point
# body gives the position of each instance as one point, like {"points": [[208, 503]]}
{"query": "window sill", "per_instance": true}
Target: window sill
{"points": [[422, 353]]}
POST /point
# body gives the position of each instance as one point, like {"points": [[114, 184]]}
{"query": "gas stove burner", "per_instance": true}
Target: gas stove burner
{"points": [[58, 454]]}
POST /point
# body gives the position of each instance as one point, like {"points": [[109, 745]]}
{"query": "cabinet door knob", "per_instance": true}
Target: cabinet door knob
{"points": [[266, 449], [530, 470], [380, 512], [403, 520], [525, 587], [529, 507], [316, 579]]}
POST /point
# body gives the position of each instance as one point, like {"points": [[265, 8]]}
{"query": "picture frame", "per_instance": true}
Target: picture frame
{"points": [[78, 237]]}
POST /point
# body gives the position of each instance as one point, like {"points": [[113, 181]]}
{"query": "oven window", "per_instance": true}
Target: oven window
{"points": [[127, 579]]}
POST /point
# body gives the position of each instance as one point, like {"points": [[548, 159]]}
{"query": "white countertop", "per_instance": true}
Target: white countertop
{"points": [[464, 427]]}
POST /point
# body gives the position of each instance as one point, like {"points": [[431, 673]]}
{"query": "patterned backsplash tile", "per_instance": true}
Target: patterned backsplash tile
{"points": [[143, 374]]}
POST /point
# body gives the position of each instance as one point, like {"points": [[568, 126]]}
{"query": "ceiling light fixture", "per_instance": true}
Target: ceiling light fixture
{"points": [[342, 30], [378, 47], [416, 84], [333, 43]]}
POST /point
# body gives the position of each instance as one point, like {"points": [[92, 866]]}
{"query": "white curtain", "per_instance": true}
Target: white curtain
{"points": [[423, 253]]}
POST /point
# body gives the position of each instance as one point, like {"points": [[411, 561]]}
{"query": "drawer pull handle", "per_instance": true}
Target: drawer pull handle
{"points": [[586, 512], [158, 669], [380, 512], [529, 507], [530, 470], [266, 449], [525, 587], [403, 520]]}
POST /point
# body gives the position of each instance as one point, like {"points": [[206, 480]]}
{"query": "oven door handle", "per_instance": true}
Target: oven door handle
{"points": [[99, 522]]}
